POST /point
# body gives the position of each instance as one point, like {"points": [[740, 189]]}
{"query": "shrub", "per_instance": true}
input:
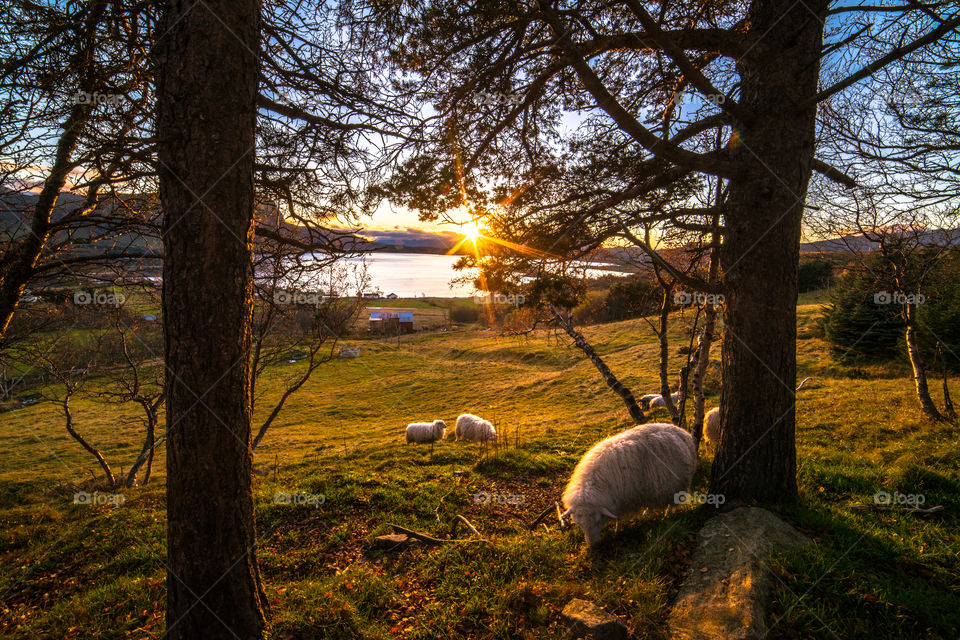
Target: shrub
{"points": [[627, 298], [465, 312], [858, 328], [814, 274]]}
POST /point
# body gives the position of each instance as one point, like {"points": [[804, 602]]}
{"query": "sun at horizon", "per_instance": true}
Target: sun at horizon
{"points": [[471, 230]]}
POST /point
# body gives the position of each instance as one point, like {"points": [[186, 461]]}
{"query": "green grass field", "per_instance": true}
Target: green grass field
{"points": [[82, 571]]}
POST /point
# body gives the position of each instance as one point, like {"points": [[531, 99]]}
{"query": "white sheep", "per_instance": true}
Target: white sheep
{"points": [[643, 467], [426, 431], [711, 425], [474, 429], [659, 402], [647, 399]]}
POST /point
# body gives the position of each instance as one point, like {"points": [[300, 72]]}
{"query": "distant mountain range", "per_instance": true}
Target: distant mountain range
{"points": [[857, 242], [16, 207]]}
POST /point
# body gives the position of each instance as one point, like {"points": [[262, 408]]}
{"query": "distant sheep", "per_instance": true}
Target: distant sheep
{"points": [[474, 429], [426, 431], [711, 425], [659, 402], [647, 399], [643, 467]]}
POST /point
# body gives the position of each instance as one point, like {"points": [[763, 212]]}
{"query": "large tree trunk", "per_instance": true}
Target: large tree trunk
{"points": [[207, 81], [756, 460], [916, 363]]}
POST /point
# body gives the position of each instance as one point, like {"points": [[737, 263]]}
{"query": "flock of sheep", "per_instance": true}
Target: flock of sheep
{"points": [[641, 468]]}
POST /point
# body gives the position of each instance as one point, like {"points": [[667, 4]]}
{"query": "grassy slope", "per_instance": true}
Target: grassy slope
{"points": [[69, 569]]}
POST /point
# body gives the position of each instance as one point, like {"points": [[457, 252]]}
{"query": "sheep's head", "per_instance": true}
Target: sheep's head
{"points": [[591, 523], [439, 428]]}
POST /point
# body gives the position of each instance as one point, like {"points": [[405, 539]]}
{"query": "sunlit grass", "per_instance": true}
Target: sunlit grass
{"points": [[75, 571]]}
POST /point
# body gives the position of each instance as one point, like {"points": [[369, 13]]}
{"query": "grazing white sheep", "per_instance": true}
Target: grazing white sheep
{"points": [[658, 401], [711, 425], [643, 467], [647, 399], [426, 431], [474, 429]]}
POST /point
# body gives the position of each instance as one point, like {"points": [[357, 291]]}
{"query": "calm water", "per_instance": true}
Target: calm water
{"points": [[414, 274]]}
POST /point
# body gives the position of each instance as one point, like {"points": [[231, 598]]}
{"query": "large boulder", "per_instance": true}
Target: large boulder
{"points": [[725, 593]]}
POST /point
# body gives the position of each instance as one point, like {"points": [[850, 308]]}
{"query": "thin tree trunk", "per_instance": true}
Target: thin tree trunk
{"points": [[948, 408], [636, 413], [664, 356], [148, 444], [704, 342], [756, 459], [705, 339], [916, 363], [68, 419], [207, 82]]}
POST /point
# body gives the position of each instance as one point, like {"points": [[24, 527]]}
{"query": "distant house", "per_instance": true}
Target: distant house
{"points": [[371, 295], [392, 296], [391, 322]]}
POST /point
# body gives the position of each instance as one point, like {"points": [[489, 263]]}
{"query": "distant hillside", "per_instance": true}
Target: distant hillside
{"points": [[857, 242]]}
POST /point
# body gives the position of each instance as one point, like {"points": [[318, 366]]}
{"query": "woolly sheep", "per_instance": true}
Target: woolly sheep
{"points": [[426, 431], [711, 425], [647, 399], [474, 429], [643, 467], [658, 401]]}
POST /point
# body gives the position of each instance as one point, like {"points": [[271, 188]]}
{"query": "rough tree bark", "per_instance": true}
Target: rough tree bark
{"points": [[756, 460], [636, 413], [207, 83]]}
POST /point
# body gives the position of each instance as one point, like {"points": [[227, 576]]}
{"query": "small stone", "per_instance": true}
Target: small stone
{"points": [[587, 620]]}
